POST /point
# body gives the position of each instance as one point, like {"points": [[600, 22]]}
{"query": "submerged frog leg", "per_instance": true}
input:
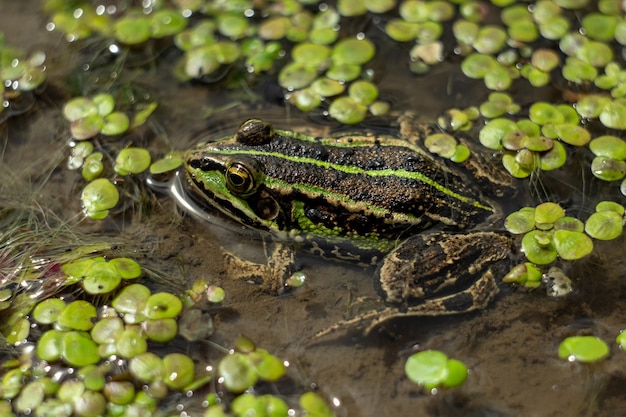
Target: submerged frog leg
{"points": [[437, 274], [475, 297], [271, 275]]}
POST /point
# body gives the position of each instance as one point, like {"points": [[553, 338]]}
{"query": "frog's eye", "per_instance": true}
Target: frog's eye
{"points": [[240, 179], [255, 132]]}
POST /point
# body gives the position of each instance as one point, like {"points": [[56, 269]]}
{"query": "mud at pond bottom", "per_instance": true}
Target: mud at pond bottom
{"points": [[510, 348]]}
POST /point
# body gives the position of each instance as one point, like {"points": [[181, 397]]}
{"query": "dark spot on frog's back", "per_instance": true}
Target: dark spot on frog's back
{"points": [[255, 132]]}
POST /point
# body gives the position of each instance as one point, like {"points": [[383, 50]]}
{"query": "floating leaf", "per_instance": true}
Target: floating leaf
{"points": [[314, 405], [347, 110], [132, 30], [571, 245], [583, 349], [132, 161], [162, 305], [79, 349], [48, 311], [494, 131], [538, 247], [609, 146], [101, 278], [548, 213], [431, 369], [353, 51], [98, 197], [104, 102], [237, 372], [115, 123], [178, 370], [604, 225], [266, 365], [520, 222], [296, 75], [524, 274], [78, 315]]}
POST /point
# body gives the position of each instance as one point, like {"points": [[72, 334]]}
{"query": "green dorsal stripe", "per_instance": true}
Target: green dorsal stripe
{"points": [[349, 169]]}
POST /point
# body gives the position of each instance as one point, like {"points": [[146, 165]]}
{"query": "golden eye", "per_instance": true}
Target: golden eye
{"points": [[240, 179]]}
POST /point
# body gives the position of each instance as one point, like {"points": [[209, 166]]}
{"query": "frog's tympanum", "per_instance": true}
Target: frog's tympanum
{"points": [[363, 198]]}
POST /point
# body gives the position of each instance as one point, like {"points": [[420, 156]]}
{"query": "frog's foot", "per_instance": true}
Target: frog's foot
{"points": [[475, 297], [271, 276]]}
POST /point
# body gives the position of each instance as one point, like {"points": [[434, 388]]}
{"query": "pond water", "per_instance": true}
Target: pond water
{"points": [[510, 347]]}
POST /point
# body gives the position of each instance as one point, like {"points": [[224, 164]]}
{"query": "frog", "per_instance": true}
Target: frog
{"points": [[427, 226]]}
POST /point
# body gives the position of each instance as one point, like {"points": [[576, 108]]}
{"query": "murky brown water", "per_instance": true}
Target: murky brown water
{"points": [[510, 347]]}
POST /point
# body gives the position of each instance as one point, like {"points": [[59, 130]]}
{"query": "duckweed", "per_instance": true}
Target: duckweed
{"points": [[583, 349], [433, 369]]}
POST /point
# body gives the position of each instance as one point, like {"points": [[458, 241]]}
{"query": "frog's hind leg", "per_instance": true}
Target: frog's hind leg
{"points": [[475, 297]]}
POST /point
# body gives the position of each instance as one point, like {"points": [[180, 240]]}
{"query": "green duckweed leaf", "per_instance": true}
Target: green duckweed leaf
{"points": [[428, 368], [165, 165], [78, 315], [613, 115], [494, 131], [538, 247], [131, 343], [166, 22], [520, 222], [583, 349], [132, 299], [132, 30], [48, 311], [132, 161], [347, 111], [296, 75], [115, 123], [571, 245], [147, 367], [86, 127], [266, 365], [79, 108], [621, 339], [569, 223], [178, 371], [237, 372], [610, 206], [101, 278], [98, 197], [126, 267], [548, 213], [609, 146], [553, 159], [79, 349], [525, 274], [104, 102], [161, 330], [314, 405], [608, 169], [604, 225], [162, 305], [107, 330], [353, 51], [50, 345], [119, 392]]}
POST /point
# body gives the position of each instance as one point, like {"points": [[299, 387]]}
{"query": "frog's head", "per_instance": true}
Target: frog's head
{"points": [[226, 175]]}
